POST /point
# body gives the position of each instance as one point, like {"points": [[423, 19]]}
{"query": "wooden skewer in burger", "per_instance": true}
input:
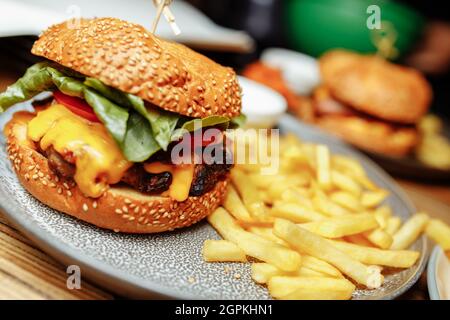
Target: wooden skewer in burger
{"points": [[100, 148]]}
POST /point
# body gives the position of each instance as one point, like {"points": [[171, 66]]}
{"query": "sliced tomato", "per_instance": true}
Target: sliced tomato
{"points": [[76, 105]]}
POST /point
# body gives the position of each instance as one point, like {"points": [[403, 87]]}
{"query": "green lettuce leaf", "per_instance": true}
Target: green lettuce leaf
{"points": [[238, 121], [209, 121], [35, 80], [139, 130], [112, 116], [67, 85], [139, 144], [162, 122]]}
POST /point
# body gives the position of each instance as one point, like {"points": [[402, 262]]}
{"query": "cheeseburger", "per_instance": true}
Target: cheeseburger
{"points": [[101, 147], [370, 102]]}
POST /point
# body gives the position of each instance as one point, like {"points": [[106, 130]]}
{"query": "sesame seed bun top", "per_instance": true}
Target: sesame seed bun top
{"points": [[126, 56], [375, 86]]}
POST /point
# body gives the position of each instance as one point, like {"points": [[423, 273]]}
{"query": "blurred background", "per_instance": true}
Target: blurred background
{"points": [[315, 26]]}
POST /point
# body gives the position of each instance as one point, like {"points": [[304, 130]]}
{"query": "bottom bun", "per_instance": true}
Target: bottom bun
{"points": [[120, 209], [375, 136]]}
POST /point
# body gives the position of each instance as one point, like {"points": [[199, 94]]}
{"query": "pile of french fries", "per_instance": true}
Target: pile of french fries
{"points": [[316, 229]]}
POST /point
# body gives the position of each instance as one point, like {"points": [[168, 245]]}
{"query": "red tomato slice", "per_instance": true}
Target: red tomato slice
{"points": [[76, 105]]}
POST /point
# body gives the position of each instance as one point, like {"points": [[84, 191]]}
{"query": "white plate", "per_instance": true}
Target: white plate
{"points": [[161, 265]]}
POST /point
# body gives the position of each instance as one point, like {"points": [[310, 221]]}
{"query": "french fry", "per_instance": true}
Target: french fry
{"points": [[306, 272], [250, 195], [314, 245], [263, 181], [294, 195], [375, 256], [439, 232], [275, 191], [359, 239], [327, 207], [295, 212], [281, 286], [346, 164], [222, 250], [379, 238], [312, 267], [346, 200], [338, 227], [253, 245], [345, 183], [235, 206], [316, 222], [354, 169], [267, 233], [392, 225], [320, 266], [371, 199], [365, 182], [266, 197], [323, 166], [263, 272], [410, 231], [382, 214]]}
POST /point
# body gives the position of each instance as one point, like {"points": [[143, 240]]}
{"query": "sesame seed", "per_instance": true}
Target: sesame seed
{"points": [[191, 279], [94, 204], [85, 207], [237, 276], [118, 211], [44, 182], [35, 177], [69, 193], [125, 209], [66, 185], [127, 201], [59, 190]]}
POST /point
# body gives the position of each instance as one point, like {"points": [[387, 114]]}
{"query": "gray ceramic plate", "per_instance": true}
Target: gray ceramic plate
{"points": [[164, 265]]}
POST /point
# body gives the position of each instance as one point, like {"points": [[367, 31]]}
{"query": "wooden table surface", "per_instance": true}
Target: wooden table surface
{"points": [[26, 272]]}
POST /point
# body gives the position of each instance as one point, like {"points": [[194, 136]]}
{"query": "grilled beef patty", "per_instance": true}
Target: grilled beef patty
{"points": [[205, 175]]}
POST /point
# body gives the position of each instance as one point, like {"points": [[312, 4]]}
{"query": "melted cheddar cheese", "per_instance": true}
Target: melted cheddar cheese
{"points": [[182, 176], [98, 160]]}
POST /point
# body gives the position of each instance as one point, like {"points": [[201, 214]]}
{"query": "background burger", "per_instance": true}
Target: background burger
{"points": [[371, 102], [100, 148]]}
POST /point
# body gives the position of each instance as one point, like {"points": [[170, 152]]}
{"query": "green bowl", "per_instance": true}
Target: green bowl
{"points": [[315, 26]]}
